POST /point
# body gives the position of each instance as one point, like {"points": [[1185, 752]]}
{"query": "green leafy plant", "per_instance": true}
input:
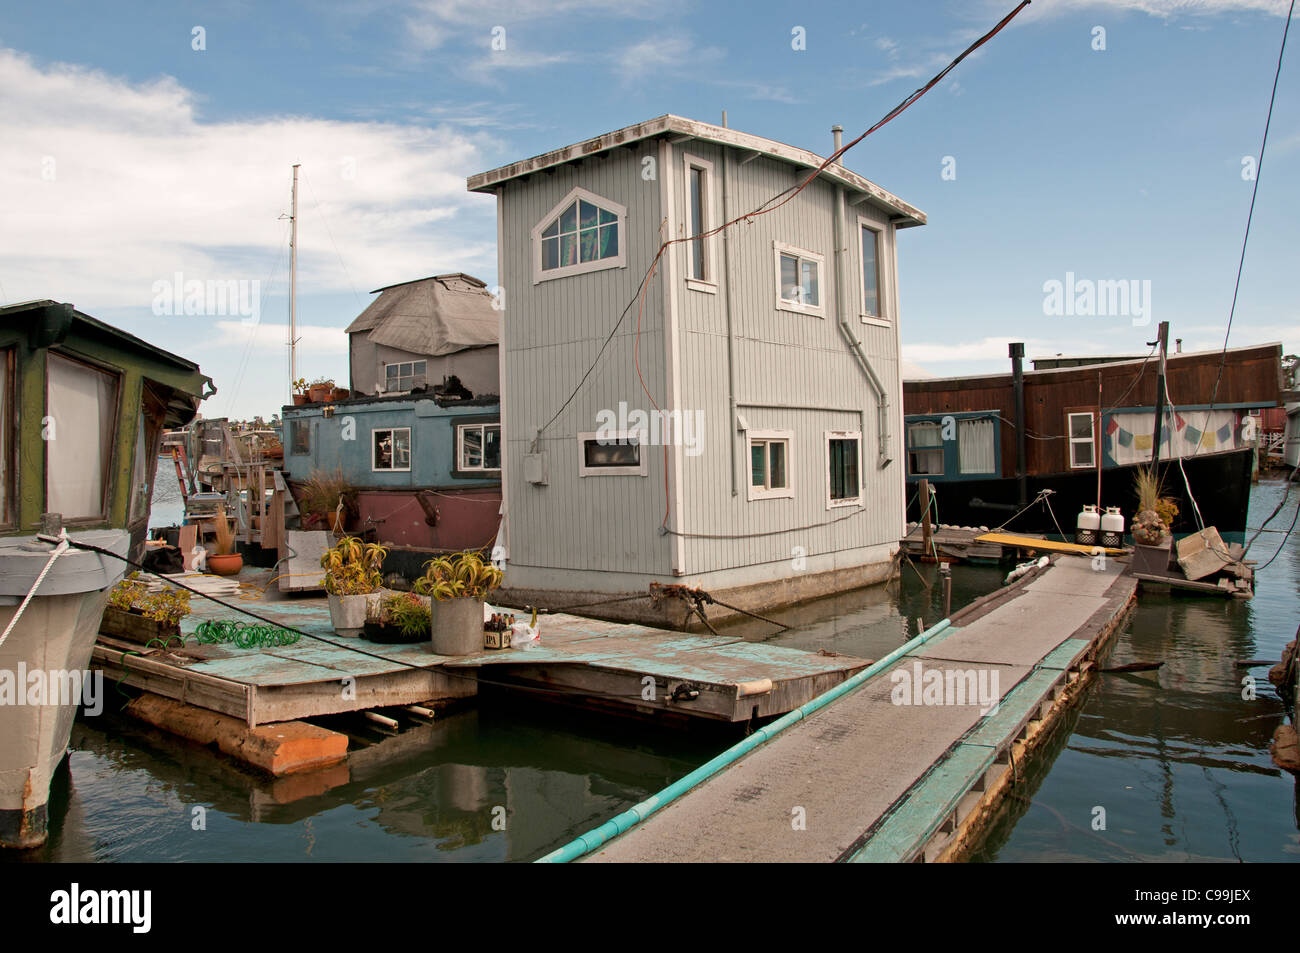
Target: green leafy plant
{"points": [[168, 606], [300, 386], [352, 567], [447, 577], [322, 493], [408, 613]]}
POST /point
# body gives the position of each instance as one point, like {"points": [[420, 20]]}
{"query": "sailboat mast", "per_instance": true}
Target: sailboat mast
{"points": [[293, 282]]}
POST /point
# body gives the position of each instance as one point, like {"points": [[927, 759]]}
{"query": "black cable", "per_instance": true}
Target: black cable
{"points": [[1259, 169], [338, 645]]}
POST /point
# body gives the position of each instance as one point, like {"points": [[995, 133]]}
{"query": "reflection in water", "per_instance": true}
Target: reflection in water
{"points": [[1178, 759]]}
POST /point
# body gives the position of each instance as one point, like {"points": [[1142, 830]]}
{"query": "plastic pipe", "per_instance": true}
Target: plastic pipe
{"points": [[634, 815]]}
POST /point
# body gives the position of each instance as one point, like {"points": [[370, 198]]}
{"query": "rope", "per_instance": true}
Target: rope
{"points": [[243, 635], [59, 550]]}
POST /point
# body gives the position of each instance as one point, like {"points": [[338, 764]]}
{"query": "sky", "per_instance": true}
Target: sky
{"points": [[148, 145]]}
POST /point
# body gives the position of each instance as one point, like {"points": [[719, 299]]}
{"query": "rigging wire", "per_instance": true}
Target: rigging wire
{"points": [[770, 205]]}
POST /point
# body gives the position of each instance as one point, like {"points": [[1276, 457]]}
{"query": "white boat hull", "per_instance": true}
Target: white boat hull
{"points": [[44, 663]]}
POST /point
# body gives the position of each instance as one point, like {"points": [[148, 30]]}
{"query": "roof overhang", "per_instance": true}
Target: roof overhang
{"points": [[678, 128]]}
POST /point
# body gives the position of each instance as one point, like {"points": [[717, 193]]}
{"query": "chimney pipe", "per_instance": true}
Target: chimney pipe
{"points": [[1017, 354], [1178, 345], [838, 132], [724, 119]]}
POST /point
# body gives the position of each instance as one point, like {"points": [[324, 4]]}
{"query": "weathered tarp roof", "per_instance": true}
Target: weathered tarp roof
{"points": [[433, 316]]}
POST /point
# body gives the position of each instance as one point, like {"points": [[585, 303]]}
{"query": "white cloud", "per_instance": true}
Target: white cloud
{"points": [[1165, 9], [109, 186], [312, 338]]}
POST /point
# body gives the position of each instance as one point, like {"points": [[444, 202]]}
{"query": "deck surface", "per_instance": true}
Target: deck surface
{"points": [[864, 765], [609, 660]]}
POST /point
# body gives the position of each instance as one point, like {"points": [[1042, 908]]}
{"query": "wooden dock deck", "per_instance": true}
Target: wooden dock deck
{"points": [[636, 668], [869, 779]]}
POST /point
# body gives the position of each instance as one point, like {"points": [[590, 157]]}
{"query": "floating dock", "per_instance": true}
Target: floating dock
{"points": [[635, 669], [866, 778]]}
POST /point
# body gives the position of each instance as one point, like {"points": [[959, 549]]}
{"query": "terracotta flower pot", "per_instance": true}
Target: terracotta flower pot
{"points": [[319, 393], [299, 399], [227, 565], [340, 393]]}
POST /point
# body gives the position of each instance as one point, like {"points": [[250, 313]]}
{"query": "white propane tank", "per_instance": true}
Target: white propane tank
{"points": [[1112, 528], [1085, 533]]}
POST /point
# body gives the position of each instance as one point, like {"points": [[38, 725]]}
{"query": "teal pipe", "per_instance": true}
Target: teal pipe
{"points": [[637, 813]]}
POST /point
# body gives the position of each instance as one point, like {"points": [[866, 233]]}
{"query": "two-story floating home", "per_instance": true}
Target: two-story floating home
{"points": [[419, 438], [1081, 428], [739, 426]]}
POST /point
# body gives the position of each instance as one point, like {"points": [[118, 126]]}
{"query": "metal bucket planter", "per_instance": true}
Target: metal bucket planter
{"points": [[457, 626], [348, 614]]}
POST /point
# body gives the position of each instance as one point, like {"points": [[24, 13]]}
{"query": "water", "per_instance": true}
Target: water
{"points": [[1178, 760]]}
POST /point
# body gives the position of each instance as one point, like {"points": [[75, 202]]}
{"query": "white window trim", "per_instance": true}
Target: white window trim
{"points": [[1069, 432], [709, 283], [398, 365], [409, 444], [585, 471], [858, 500], [782, 304], [908, 449], [460, 447], [882, 319], [762, 493], [618, 261]]}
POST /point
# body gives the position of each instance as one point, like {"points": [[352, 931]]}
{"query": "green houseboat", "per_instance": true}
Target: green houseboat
{"points": [[83, 406]]}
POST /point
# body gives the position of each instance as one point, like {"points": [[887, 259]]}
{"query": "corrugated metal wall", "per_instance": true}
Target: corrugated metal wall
{"points": [[782, 358], [553, 332]]}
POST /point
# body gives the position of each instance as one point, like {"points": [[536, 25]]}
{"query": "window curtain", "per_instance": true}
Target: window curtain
{"points": [[81, 402], [975, 445]]}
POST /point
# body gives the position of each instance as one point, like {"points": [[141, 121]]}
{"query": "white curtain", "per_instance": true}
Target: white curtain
{"points": [[975, 445], [81, 402]]}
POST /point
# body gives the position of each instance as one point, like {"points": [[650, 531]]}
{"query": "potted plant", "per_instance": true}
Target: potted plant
{"points": [[300, 391], [351, 576], [1155, 513], [135, 615], [318, 391], [320, 499], [459, 588], [224, 560], [401, 617], [340, 393]]}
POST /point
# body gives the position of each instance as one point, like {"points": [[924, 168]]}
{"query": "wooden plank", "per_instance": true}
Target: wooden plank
{"points": [[926, 808], [1031, 542]]}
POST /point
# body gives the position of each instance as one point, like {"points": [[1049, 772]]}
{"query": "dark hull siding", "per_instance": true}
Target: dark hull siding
{"points": [[1219, 481]]}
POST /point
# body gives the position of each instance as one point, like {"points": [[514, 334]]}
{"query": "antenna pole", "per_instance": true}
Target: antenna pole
{"points": [[293, 283]]}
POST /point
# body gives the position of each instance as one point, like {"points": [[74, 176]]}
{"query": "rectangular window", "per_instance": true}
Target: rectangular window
{"points": [[1082, 441], [82, 403], [300, 437], [392, 448], [924, 448], [843, 486], [798, 280], [6, 409], [976, 445], [480, 447], [611, 454], [403, 376], [699, 219], [769, 459], [871, 272]]}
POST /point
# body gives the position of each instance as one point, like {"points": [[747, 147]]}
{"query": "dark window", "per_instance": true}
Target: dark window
{"points": [[843, 454], [300, 436], [621, 453]]}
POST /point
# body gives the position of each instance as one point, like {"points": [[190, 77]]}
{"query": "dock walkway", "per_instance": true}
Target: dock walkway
{"points": [[720, 678], [865, 778]]}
